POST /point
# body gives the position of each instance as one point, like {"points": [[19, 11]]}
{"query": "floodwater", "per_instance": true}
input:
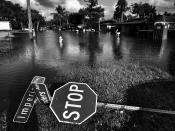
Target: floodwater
{"points": [[21, 58]]}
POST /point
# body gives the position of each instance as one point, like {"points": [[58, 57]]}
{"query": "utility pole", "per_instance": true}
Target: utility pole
{"points": [[30, 25]]}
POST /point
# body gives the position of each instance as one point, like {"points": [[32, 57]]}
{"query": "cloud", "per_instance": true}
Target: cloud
{"points": [[21, 2], [157, 3], [46, 7], [161, 5], [108, 12], [72, 5], [45, 3], [69, 4]]}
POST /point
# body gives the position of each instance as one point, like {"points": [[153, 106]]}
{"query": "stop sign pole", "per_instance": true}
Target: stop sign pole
{"points": [[74, 103]]}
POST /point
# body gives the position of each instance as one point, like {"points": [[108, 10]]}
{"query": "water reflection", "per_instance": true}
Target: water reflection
{"points": [[170, 48], [47, 57], [93, 48], [117, 48], [171, 64], [48, 53], [162, 49], [5, 47], [83, 42]]}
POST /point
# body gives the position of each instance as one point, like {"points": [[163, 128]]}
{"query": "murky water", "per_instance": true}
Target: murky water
{"points": [[21, 59]]}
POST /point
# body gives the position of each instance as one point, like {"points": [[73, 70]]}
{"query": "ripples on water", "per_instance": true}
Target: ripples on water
{"points": [[21, 59]]}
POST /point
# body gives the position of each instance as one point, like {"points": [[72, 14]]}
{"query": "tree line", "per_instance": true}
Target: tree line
{"points": [[89, 16], [93, 13], [18, 16], [141, 10]]}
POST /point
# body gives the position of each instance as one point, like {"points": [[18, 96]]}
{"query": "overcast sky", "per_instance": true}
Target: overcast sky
{"points": [[48, 6]]}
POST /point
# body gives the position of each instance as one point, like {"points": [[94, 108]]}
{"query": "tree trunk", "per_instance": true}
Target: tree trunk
{"points": [[22, 27], [67, 21], [30, 26], [122, 16], [37, 26], [99, 25], [60, 25], [60, 22]]}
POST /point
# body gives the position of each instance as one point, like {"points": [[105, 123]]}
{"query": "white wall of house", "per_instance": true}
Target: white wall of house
{"points": [[5, 26]]}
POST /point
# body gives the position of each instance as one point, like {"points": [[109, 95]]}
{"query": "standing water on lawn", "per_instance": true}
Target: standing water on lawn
{"points": [[21, 59]]}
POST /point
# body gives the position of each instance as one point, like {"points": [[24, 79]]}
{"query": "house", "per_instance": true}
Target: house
{"points": [[108, 25], [5, 28]]}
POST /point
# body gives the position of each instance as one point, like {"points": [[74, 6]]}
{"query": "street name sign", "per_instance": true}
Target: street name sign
{"points": [[74, 103], [26, 106], [38, 80], [28, 101], [42, 93]]}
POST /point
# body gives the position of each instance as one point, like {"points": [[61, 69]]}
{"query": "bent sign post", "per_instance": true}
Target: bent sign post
{"points": [[74, 103]]}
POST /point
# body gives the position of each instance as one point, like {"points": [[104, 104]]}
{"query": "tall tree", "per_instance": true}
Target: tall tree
{"points": [[94, 12], [6, 11], [120, 8], [17, 15], [37, 19], [66, 17], [92, 3], [75, 19], [143, 10], [61, 11], [84, 15]]}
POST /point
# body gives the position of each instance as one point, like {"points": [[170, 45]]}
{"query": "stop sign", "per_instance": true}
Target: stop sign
{"points": [[74, 103]]}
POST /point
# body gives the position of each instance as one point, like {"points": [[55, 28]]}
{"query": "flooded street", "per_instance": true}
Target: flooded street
{"points": [[21, 59]]}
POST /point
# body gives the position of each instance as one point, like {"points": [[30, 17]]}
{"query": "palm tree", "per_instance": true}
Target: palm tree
{"points": [[143, 10], [60, 14], [66, 17], [93, 12], [121, 7], [92, 3], [37, 19]]}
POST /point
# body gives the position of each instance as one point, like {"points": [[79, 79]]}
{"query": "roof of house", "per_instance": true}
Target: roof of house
{"points": [[114, 22]]}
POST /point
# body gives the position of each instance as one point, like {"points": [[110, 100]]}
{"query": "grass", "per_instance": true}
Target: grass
{"points": [[122, 83]]}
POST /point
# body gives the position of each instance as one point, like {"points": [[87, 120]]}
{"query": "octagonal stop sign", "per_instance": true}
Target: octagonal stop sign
{"points": [[74, 103]]}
